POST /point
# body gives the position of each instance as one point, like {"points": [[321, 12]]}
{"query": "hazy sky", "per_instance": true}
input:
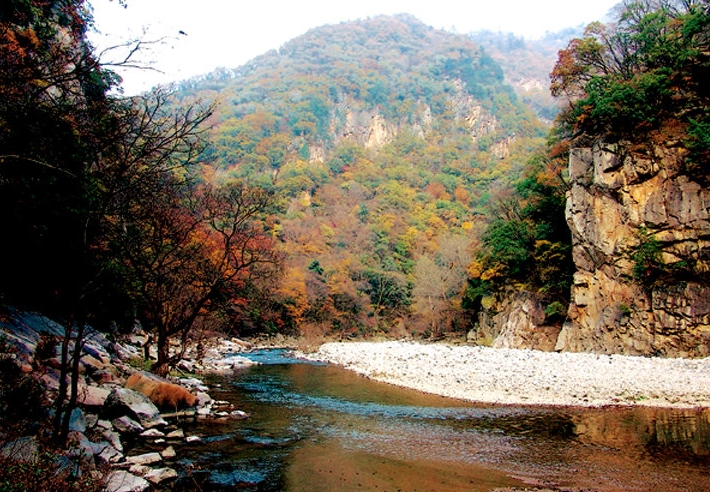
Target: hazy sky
{"points": [[228, 33]]}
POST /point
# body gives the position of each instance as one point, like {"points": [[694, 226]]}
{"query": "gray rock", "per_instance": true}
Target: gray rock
{"points": [[111, 455], [104, 424], [144, 459], [113, 438], [176, 434], [23, 449], [123, 481], [77, 421], [123, 401], [168, 453], [88, 447], [126, 425], [91, 420], [203, 399], [160, 475], [152, 433]]}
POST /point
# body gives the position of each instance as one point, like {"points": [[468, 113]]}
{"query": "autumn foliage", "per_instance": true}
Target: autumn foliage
{"points": [[642, 78]]}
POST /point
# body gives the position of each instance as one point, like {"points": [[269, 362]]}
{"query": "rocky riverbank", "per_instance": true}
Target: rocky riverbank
{"points": [[120, 406], [509, 376]]}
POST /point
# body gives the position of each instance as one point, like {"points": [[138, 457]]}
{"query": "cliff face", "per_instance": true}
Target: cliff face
{"points": [[514, 319], [616, 194], [371, 129]]}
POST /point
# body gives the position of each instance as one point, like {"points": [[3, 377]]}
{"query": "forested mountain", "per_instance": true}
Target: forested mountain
{"points": [[384, 142], [527, 64]]}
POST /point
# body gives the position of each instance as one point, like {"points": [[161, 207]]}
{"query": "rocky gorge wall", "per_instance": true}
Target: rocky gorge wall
{"points": [[619, 199]]}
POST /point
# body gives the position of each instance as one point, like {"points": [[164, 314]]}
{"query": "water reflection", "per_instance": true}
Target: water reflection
{"points": [[679, 434], [316, 427]]}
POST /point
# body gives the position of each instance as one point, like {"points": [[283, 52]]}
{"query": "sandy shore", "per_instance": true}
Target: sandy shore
{"points": [[487, 375]]}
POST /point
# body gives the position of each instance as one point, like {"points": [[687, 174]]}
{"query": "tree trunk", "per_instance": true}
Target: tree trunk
{"points": [[162, 366], [59, 402], [74, 382]]}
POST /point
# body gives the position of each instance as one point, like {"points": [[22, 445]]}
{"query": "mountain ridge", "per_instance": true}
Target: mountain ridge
{"points": [[383, 140]]}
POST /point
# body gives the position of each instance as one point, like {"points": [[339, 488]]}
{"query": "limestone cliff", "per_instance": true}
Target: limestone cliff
{"points": [[617, 200], [371, 129]]}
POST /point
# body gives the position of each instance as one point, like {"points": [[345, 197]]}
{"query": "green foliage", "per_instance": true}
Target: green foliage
{"points": [[699, 139], [555, 310], [511, 243], [528, 244], [315, 267], [648, 262], [476, 290], [624, 309], [141, 363], [646, 73]]}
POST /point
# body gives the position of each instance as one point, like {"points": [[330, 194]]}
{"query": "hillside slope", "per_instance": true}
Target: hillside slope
{"points": [[383, 141]]}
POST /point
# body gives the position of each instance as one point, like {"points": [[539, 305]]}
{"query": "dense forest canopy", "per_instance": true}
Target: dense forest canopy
{"points": [[384, 142]]}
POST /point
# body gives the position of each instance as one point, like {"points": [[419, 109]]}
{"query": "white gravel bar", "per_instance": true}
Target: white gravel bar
{"points": [[529, 377]]}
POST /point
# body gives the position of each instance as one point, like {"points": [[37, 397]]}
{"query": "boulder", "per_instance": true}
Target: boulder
{"points": [[144, 459], [77, 421], [112, 437], [110, 455], [22, 449], [152, 433], [168, 453], [160, 475], [92, 396], [176, 434], [126, 425], [123, 481], [125, 401], [514, 319]]}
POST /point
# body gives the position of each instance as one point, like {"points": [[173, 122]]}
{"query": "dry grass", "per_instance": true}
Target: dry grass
{"points": [[163, 394]]}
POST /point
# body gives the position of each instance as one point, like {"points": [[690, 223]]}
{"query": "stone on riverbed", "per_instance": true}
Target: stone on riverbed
{"points": [[124, 401], [168, 453], [123, 481], [152, 433], [160, 475], [126, 425], [144, 459]]}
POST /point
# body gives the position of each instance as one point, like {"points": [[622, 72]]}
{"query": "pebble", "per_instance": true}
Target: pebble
{"points": [[514, 376]]}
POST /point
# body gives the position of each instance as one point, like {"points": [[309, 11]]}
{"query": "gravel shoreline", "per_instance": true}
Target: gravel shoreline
{"points": [[529, 377]]}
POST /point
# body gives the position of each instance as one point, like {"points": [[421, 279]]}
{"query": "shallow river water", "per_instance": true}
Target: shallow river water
{"points": [[315, 427]]}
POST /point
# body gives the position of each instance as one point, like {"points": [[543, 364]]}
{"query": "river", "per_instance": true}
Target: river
{"points": [[315, 427]]}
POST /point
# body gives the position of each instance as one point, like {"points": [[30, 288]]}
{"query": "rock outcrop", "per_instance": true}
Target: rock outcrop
{"points": [[112, 421], [514, 319], [618, 200]]}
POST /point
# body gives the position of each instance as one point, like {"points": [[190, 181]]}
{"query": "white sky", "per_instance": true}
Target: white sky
{"points": [[228, 33]]}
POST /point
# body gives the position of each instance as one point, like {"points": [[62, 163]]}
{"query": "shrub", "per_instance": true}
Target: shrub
{"points": [[163, 394], [648, 264], [555, 311], [44, 470]]}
